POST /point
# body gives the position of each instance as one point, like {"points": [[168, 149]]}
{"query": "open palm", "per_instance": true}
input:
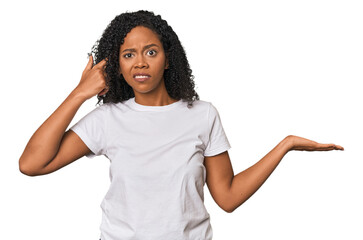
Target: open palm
{"points": [[303, 144]]}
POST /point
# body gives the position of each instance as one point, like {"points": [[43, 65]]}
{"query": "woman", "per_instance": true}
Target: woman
{"points": [[162, 141]]}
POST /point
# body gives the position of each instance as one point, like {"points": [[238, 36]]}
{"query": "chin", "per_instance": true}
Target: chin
{"points": [[143, 91]]}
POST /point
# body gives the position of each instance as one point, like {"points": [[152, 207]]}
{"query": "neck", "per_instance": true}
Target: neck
{"points": [[154, 101]]}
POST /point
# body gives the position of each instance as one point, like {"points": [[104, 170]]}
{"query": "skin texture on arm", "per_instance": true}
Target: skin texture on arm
{"points": [[71, 148], [50, 139], [50, 148], [230, 191]]}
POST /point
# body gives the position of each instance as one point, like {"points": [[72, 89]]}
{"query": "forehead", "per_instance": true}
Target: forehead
{"points": [[140, 36]]}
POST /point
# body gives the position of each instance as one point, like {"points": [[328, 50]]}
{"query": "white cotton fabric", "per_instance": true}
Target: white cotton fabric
{"points": [[157, 173]]}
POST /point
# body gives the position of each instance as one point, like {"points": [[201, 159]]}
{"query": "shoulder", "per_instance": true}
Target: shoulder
{"points": [[201, 102], [207, 106], [102, 108], [200, 105], [101, 111], [111, 107]]}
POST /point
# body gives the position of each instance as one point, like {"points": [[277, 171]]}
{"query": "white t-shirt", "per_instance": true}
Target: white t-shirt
{"points": [[157, 173]]}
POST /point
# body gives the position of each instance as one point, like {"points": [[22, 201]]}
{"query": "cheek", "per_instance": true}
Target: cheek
{"points": [[161, 64], [120, 67], [123, 67]]}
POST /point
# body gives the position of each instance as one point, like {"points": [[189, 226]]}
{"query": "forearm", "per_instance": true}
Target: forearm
{"points": [[247, 182], [44, 144]]}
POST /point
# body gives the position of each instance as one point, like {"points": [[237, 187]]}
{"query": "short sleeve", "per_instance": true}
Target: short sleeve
{"points": [[92, 129], [217, 142]]}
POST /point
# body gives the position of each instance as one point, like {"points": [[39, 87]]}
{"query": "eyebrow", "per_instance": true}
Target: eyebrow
{"points": [[144, 48]]}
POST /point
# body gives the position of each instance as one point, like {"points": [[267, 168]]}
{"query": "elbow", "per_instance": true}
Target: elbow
{"points": [[229, 210], [231, 204], [26, 169], [227, 203]]}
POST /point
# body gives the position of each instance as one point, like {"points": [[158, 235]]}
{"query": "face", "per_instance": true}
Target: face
{"points": [[143, 61]]}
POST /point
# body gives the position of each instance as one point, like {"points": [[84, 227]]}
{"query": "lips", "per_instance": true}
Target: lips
{"points": [[141, 77]]}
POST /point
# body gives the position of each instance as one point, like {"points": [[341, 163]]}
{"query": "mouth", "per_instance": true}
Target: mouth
{"points": [[141, 77]]}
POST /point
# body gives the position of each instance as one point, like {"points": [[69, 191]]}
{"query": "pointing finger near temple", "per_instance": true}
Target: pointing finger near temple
{"points": [[101, 64]]}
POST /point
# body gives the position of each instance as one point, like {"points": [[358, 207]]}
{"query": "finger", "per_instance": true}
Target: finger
{"points": [[337, 147], [334, 147], [328, 147], [101, 64], [90, 63]]}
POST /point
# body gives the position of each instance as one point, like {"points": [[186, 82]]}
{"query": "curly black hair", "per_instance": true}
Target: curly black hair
{"points": [[179, 81]]}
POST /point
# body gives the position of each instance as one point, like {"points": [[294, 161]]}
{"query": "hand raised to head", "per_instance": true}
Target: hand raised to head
{"points": [[93, 80]]}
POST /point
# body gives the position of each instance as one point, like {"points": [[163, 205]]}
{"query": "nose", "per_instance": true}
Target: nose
{"points": [[141, 62]]}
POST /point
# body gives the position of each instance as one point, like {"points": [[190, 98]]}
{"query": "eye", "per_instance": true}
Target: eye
{"points": [[128, 55], [151, 52]]}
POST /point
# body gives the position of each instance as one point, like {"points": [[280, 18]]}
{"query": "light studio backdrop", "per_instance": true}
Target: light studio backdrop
{"points": [[271, 68]]}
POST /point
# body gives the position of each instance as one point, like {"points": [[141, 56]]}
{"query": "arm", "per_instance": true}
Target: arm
{"points": [[50, 147], [231, 191]]}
